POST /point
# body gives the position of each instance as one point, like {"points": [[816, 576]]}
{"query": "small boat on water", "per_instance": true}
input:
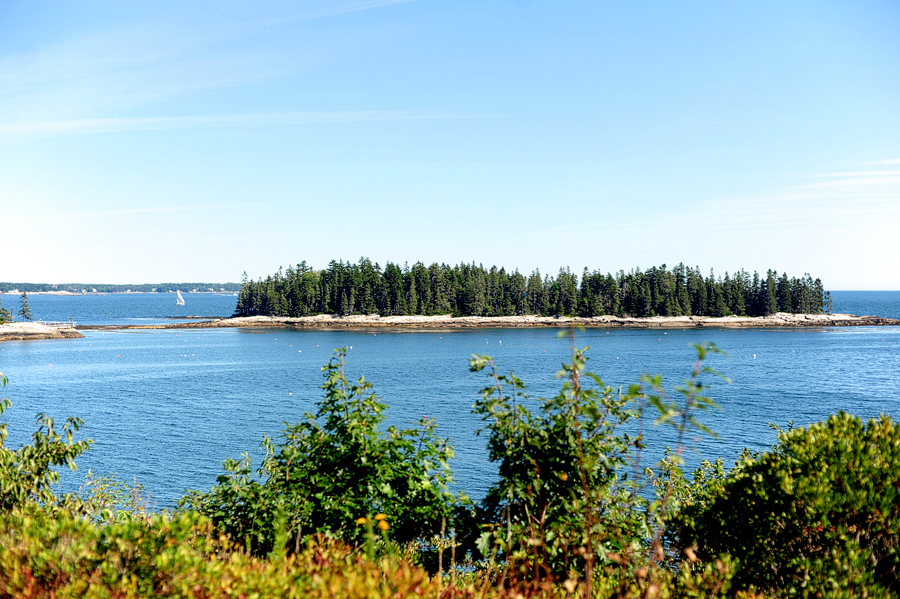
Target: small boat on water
{"points": [[180, 300]]}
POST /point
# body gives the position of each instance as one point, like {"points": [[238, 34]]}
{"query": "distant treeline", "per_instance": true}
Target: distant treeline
{"points": [[473, 290], [108, 288]]}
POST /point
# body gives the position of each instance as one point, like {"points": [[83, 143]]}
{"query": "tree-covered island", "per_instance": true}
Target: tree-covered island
{"points": [[472, 290]]}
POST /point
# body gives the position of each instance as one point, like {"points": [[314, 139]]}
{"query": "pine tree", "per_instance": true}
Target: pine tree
{"points": [[24, 308], [5, 315], [783, 294], [771, 297]]}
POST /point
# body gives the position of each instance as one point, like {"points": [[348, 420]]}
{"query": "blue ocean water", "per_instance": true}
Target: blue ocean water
{"points": [[166, 407], [123, 308], [867, 303]]}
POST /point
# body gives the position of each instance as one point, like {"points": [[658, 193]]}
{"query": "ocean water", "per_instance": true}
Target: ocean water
{"points": [[166, 407], [867, 303], [123, 308]]}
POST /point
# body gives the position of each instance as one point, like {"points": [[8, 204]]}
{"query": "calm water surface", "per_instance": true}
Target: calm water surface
{"points": [[166, 407]]}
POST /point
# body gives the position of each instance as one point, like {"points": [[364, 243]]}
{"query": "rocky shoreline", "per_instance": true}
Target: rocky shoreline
{"points": [[26, 331], [444, 322]]}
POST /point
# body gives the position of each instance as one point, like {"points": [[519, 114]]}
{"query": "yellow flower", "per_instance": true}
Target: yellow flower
{"points": [[361, 521], [383, 525], [380, 516]]}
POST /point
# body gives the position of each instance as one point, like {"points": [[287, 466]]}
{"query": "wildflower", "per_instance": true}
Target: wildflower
{"points": [[380, 516], [361, 521], [563, 476], [383, 525]]}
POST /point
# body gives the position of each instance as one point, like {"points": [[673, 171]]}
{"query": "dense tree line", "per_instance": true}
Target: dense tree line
{"points": [[473, 290]]}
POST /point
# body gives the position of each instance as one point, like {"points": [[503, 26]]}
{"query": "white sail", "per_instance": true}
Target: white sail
{"points": [[180, 300]]}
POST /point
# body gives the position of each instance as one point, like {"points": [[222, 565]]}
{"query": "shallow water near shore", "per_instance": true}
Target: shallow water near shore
{"points": [[166, 407]]}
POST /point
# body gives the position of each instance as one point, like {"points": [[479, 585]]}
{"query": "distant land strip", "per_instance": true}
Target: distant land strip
{"points": [[89, 288]]}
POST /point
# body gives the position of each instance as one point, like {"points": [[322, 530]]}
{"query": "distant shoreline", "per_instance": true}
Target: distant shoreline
{"points": [[443, 322], [17, 293]]}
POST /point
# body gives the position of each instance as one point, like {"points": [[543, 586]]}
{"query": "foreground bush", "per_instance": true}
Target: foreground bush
{"points": [[333, 470], [817, 516], [57, 555], [61, 556]]}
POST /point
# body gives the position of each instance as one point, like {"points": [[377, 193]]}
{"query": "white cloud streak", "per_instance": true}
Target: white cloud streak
{"points": [[104, 73], [123, 212], [104, 125]]}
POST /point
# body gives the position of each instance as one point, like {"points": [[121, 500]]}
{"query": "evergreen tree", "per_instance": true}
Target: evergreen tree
{"points": [[24, 308], [567, 295], [783, 294], [5, 315], [537, 295], [697, 292], [771, 294]]}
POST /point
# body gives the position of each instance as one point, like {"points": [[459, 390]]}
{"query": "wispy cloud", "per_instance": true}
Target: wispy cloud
{"points": [[122, 212], [103, 125], [890, 161], [857, 174], [129, 66], [331, 9]]}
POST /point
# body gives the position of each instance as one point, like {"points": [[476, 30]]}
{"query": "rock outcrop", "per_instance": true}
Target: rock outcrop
{"points": [[330, 321], [25, 331]]}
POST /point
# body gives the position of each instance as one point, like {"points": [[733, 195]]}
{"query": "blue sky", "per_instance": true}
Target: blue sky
{"points": [[173, 141]]}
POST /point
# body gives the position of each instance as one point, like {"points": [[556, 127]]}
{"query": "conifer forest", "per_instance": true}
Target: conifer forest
{"points": [[473, 290]]}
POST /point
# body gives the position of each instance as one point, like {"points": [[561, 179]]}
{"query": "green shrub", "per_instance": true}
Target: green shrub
{"points": [[27, 473], [332, 470], [819, 515], [568, 504], [56, 555], [558, 501]]}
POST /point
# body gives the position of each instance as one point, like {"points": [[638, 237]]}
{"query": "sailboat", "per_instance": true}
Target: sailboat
{"points": [[180, 300]]}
